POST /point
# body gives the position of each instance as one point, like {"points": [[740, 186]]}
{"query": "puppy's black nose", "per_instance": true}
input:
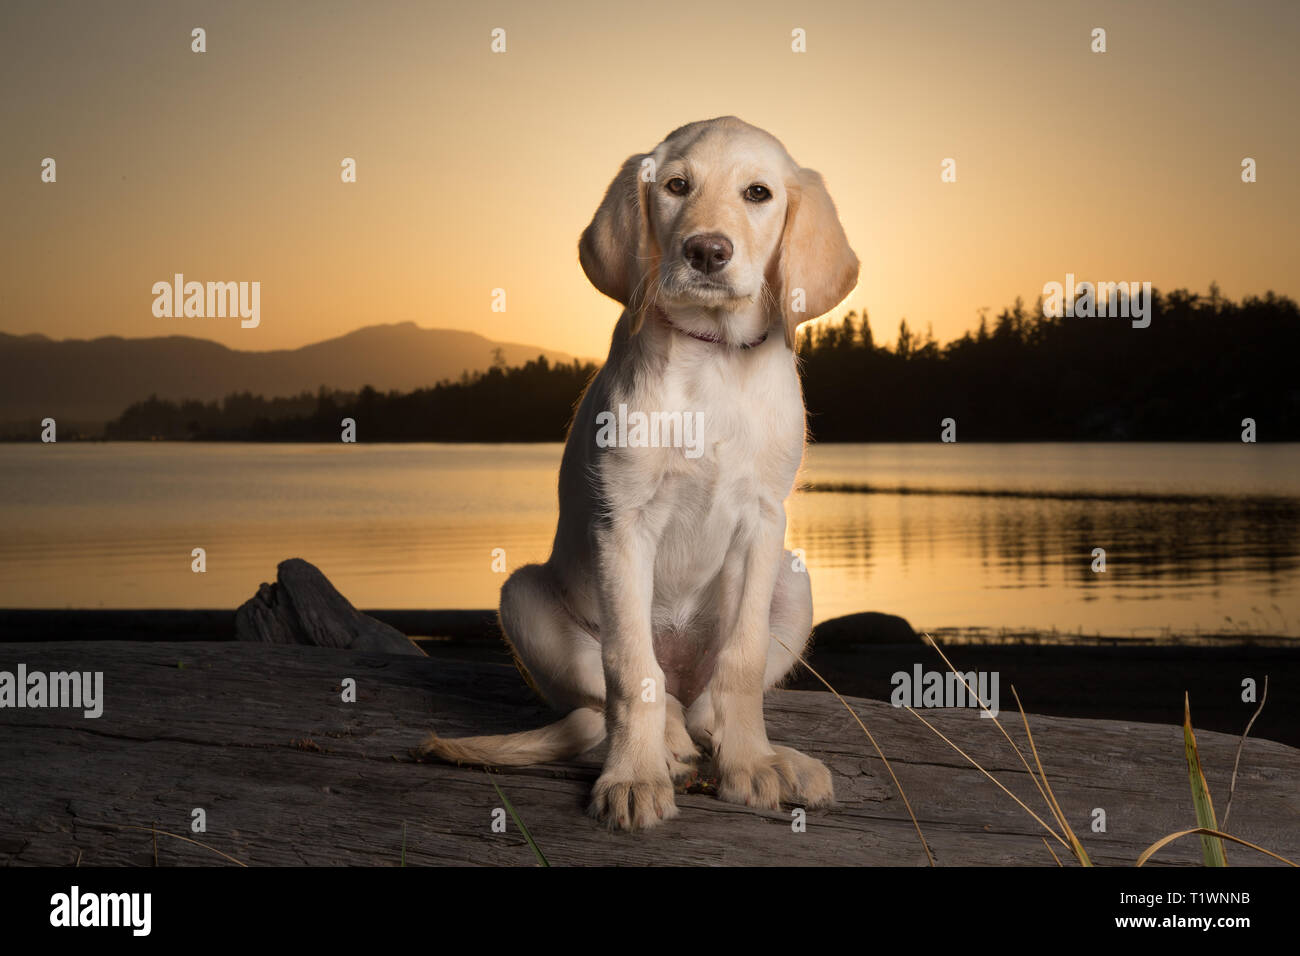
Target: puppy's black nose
{"points": [[707, 253]]}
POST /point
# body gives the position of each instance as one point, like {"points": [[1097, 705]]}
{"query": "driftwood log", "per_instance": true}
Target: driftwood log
{"points": [[259, 738]]}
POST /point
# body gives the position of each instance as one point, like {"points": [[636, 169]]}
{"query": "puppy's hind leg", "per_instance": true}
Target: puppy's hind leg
{"points": [[560, 659], [562, 663]]}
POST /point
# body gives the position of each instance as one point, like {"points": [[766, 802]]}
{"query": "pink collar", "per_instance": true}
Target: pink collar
{"points": [[707, 336]]}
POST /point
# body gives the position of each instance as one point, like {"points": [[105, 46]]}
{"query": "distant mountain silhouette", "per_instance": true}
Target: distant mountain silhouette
{"points": [[89, 382]]}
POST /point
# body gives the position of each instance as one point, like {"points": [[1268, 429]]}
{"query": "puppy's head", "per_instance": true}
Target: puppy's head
{"points": [[718, 217]]}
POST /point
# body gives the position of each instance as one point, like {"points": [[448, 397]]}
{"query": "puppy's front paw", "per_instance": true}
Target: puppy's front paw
{"points": [[782, 776], [633, 804]]}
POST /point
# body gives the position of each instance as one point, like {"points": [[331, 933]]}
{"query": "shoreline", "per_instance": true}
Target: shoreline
{"points": [[866, 628], [1121, 679]]}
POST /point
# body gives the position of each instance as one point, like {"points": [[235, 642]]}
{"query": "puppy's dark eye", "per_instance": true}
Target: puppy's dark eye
{"points": [[678, 186], [758, 193]]}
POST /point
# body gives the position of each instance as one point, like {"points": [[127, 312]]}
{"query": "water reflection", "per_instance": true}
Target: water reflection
{"points": [[1203, 564], [1198, 539]]}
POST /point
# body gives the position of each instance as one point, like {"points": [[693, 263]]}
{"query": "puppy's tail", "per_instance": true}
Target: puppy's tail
{"points": [[577, 733]]}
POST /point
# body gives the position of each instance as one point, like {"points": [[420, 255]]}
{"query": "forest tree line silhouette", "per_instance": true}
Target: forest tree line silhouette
{"points": [[1203, 365]]}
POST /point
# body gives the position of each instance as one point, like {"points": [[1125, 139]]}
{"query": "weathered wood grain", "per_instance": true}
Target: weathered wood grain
{"points": [[258, 736]]}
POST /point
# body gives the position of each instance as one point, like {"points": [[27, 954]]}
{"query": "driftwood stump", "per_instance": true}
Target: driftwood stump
{"points": [[302, 607]]}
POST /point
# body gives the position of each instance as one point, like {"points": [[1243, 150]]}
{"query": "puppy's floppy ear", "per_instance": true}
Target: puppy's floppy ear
{"points": [[618, 250], [817, 269]]}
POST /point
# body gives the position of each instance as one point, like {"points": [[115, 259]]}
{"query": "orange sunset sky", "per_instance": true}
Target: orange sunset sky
{"points": [[479, 170]]}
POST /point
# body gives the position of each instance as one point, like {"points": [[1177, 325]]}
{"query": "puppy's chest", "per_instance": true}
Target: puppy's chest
{"points": [[742, 431]]}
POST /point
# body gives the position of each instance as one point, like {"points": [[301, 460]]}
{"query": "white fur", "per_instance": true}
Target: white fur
{"points": [[668, 580]]}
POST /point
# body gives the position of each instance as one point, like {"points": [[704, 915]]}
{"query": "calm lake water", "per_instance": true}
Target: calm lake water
{"points": [[1199, 538]]}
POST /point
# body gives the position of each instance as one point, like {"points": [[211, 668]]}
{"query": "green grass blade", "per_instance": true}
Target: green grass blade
{"points": [[1211, 847], [541, 860]]}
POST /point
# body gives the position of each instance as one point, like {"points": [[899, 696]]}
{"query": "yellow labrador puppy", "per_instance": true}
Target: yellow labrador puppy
{"points": [[669, 603]]}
